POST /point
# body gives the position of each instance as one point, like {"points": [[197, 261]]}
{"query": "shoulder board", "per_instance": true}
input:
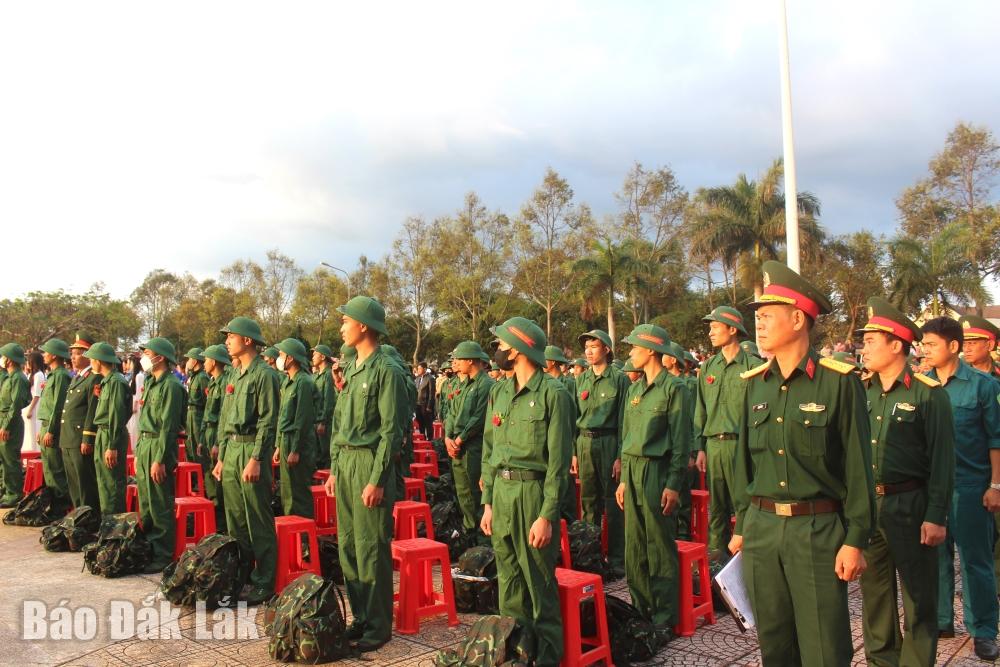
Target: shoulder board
{"points": [[930, 382], [746, 375], [841, 367]]}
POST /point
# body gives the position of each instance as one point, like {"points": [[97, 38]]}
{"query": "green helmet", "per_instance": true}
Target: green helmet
{"points": [[270, 353], [163, 347], [366, 310], [296, 350], [196, 353], [14, 352], [104, 352], [581, 362], [553, 353], [596, 334], [626, 367], [651, 337], [750, 347], [729, 316], [218, 353], [524, 336], [324, 350], [57, 347], [347, 353], [676, 351], [244, 326], [469, 349]]}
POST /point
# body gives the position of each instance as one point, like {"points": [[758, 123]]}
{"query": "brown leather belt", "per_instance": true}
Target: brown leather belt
{"points": [[901, 487], [799, 508], [723, 436]]}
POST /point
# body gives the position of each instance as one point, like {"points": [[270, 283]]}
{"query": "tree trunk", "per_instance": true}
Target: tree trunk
{"points": [[611, 320]]}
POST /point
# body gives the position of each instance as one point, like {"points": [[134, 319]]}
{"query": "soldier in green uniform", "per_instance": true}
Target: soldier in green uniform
{"points": [[717, 413], [55, 354], [114, 409], [373, 414], [405, 458], [296, 448], [804, 492], [217, 365], [76, 430], [161, 419], [527, 447], [913, 451], [656, 436], [326, 401], [464, 430], [15, 394], [751, 348], [554, 363], [270, 356], [248, 430], [197, 390], [673, 363], [447, 390], [600, 397], [580, 367], [630, 372]]}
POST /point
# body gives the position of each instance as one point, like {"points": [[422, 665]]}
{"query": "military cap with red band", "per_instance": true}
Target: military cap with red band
{"points": [[784, 286], [979, 328], [82, 342], [885, 317]]}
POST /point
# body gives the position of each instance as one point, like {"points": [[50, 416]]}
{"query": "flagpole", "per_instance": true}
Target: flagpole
{"points": [[788, 146]]}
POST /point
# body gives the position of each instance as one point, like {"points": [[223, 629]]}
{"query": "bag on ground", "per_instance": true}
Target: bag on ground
{"points": [[307, 622]]}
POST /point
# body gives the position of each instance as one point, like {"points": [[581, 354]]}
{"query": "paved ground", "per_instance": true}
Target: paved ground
{"points": [[27, 572]]}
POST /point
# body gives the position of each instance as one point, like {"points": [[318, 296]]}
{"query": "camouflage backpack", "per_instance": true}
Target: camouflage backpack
{"points": [[212, 571], [633, 636], [475, 581], [585, 549], [72, 532], [120, 549], [329, 558], [492, 641], [448, 528], [39, 508], [307, 622]]}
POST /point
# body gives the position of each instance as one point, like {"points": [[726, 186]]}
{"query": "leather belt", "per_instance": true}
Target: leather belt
{"points": [[235, 437], [798, 508], [900, 487], [520, 475], [723, 436], [598, 432]]}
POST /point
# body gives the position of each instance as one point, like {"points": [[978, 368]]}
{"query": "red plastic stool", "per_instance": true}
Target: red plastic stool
{"points": [[181, 453], [699, 516], [132, 498], [692, 607], [34, 477], [417, 598], [186, 477], [414, 489], [130, 465], [421, 444], [421, 470], [564, 544], [203, 512], [427, 457], [406, 514], [574, 588], [30, 456], [438, 430], [325, 511], [291, 561], [322, 475]]}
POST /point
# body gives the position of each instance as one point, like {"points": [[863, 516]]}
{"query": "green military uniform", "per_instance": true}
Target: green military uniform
{"points": [[194, 446], [76, 429], [803, 488], [600, 408], [717, 413], [15, 395], [683, 512], [465, 424], [373, 416], [114, 409], [326, 401], [567, 504], [50, 412], [402, 463], [248, 424], [448, 391], [656, 436], [297, 433], [527, 448], [216, 393], [913, 453]]}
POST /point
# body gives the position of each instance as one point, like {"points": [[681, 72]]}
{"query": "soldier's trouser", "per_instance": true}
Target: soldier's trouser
{"points": [[595, 462], [363, 535], [111, 481], [197, 450], [720, 454], [970, 528], [52, 466], [156, 502], [466, 471], [650, 546], [81, 477], [799, 604], [526, 575], [10, 454], [895, 547], [213, 487], [296, 485], [683, 511], [323, 451], [248, 510]]}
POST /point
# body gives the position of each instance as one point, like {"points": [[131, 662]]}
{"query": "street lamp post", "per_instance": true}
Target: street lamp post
{"points": [[788, 145], [347, 278]]}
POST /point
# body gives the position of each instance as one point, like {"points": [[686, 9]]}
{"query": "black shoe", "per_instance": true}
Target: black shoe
{"points": [[946, 634], [986, 649], [366, 645], [153, 568], [356, 631]]}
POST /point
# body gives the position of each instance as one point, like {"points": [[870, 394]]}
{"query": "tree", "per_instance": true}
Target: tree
{"points": [[602, 274], [39, 316], [314, 308], [155, 299], [406, 277], [855, 273]]}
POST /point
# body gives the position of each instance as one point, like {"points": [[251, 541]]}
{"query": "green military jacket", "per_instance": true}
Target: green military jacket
{"points": [[807, 438], [114, 409], [374, 412], [297, 416], [913, 438], [657, 423], [50, 405], [15, 395], [161, 416], [213, 408], [326, 400], [250, 410], [601, 400], [77, 423], [197, 394], [719, 397], [529, 428], [468, 417]]}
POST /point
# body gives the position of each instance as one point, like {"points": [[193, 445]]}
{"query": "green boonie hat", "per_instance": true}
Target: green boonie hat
{"points": [[596, 334], [626, 367], [324, 350], [553, 353], [196, 353], [14, 352], [729, 316], [56, 346], [218, 353], [295, 349], [103, 352], [163, 347], [784, 286], [750, 347], [619, 364], [366, 310], [885, 317], [446, 366], [650, 337], [524, 336], [469, 349], [847, 358], [581, 362], [270, 353], [978, 328], [244, 326]]}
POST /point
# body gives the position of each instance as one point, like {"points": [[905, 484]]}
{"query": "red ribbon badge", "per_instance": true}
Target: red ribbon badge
{"points": [[230, 388], [496, 420], [97, 390], [584, 394], [710, 379]]}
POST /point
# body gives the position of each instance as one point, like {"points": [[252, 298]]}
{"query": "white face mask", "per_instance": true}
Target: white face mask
{"points": [[280, 362], [3, 362], [146, 363]]}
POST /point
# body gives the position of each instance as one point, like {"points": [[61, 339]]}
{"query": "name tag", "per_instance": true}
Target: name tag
{"points": [[759, 407]]}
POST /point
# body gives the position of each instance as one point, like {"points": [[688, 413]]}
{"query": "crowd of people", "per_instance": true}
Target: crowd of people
{"points": [[822, 469]]}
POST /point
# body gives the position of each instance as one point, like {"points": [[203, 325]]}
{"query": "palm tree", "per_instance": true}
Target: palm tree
{"points": [[603, 273]]}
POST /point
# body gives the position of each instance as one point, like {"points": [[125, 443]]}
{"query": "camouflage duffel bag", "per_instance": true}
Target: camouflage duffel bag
{"points": [[212, 571], [633, 636], [307, 622], [492, 641], [475, 581], [72, 532], [585, 549], [121, 547], [39, 508]]}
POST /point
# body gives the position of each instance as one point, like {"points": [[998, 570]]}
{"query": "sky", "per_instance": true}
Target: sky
{"points": [[186, 135]]}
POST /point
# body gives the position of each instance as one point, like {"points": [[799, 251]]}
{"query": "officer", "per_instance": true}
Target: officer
{"points": [[656, 435], [197, 384], [15, 395], [217, 365], [296, 449], [980, 341], [601, 395], [76, 430], [464, 430], [326, 401], [114, 409], [913, 451], [55, 354], [527, 447], [804, 493], [248, 425], [160, 422], [717, 413]]}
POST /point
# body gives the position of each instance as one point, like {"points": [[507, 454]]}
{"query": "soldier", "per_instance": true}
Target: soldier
{"points": [[217, 365], [630, 372], [76, 430], [555, 361], [673, 364], [527, 446], [913, 452], [445, 383], [656, 435], [804, 493], [55, 354], [326, 401], [114, 408], [580, 367], [372, 415], [296, 448], [197, 385], [980, 341], [751, 348], [977, 488], [270, 356], [405, 458], [15, 394], [717, 414], [248, 424], [601, 394]]}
